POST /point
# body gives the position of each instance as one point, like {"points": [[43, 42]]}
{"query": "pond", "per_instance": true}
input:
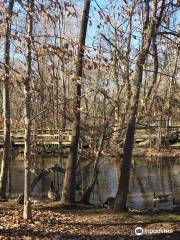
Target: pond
{"points": [[148, 175]]}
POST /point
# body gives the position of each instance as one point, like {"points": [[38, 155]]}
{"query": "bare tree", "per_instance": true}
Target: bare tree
{"points": [[69, 187], [150, 29], [6, 104], [27, 115]]}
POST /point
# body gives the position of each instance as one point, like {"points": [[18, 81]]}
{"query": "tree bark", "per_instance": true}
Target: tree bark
{"points": [[148, 33], [6, 106], [69, 187], [27, 114], [128, 92], [146, 108]]}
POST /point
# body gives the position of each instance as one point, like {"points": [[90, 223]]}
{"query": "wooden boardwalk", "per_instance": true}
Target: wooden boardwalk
{"points": [[61, 139], [143, 133], [41, 138]]}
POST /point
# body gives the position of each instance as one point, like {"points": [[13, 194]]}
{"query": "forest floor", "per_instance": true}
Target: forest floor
{"points": [[54, 221]]}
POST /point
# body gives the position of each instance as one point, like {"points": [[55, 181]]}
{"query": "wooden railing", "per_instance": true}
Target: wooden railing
{"points": [[64, 137], [41, 136]]}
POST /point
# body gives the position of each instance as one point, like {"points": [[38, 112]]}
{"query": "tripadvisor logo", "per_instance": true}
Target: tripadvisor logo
{"points": [[139, 231]]}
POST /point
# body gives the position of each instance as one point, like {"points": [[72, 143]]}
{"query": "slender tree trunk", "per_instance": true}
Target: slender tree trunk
{"points": [[6, 106], [146, 108], [62, 31], [149, 32], [170, 94], [86, 196], [127, 76], [27, 113], [64, 100], [69, 187]]}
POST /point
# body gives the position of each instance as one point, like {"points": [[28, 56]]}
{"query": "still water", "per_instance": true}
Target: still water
{"points": [[148, 175]]}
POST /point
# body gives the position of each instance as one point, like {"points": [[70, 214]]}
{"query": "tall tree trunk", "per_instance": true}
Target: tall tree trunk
{"points": [[149, 31], [6, 106], [27, 114], [127, 76], [170, 99], [146, 108], [69, 187]]}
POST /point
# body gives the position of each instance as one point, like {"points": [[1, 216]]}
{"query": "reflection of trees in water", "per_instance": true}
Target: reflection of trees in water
{"points": [[138, 179], [138, 182], [117, 171], [17, 176], [163, 178], [133, 173], [154, 175], [11, 162], [172, 178], [167, 178], [169, 165], [163, 184], [106, 184], [43, 186], [147, 176], [43, 181], [97, 191], [142, 183]]}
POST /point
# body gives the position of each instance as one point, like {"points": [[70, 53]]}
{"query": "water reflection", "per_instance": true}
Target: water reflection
{"points": [[147, 176]]}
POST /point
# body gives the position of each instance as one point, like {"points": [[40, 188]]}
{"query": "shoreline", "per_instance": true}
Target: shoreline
{"points": [[114, 153], [149, 152]]}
